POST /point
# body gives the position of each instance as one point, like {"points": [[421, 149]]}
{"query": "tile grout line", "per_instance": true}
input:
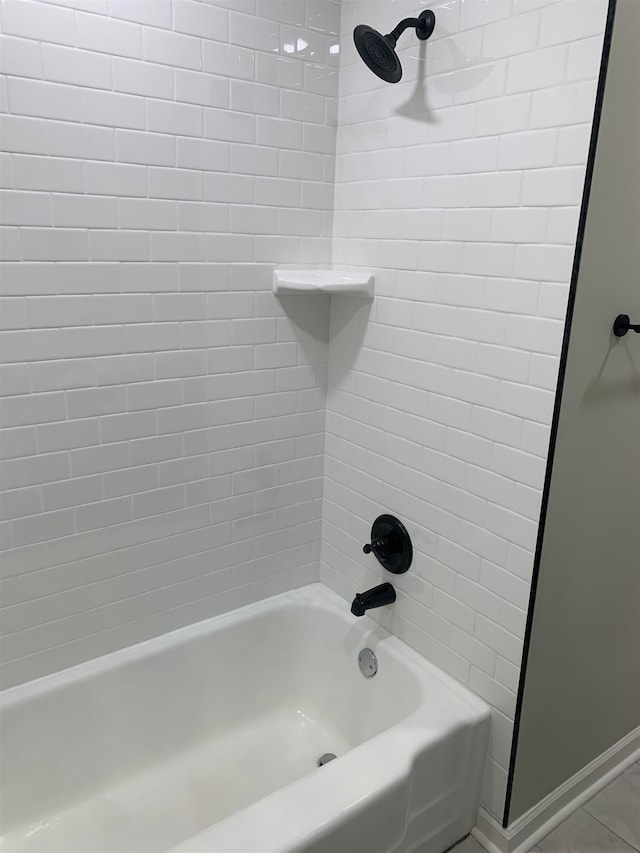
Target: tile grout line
{"points": [[606, 826]]}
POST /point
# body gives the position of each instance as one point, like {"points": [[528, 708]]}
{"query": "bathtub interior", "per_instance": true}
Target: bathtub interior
{"points": [[235, 712]]}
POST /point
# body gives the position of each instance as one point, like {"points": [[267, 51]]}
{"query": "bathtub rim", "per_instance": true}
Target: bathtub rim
{"points": [[315, 595], [319, 801]]}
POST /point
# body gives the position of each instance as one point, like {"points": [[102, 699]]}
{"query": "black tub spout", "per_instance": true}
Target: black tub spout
{"points": [[378, 596]]}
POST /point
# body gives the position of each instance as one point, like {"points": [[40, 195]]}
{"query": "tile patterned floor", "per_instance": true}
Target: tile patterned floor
{"points": [[608, 823]]}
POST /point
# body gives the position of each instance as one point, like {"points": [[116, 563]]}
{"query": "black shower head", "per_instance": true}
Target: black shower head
{"points": [[378, 51]]}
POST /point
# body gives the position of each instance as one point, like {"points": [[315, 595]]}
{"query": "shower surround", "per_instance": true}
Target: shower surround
{"points": [[165, 415], [461, 187]]}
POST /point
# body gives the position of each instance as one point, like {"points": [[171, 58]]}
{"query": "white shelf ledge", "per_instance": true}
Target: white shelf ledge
{"points": [[358, 283]]}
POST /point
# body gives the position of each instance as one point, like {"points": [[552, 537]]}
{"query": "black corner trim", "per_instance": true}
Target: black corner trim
{"points": [[597, 115]]}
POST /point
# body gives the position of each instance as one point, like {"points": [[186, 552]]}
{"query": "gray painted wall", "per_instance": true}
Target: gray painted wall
{"points": [[582, 689]]}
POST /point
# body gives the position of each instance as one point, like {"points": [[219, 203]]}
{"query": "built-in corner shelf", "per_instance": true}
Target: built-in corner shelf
{"points": [[350, 283]]}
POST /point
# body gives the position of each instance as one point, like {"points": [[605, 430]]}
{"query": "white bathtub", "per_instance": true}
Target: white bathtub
{"points": [[206, 740]]}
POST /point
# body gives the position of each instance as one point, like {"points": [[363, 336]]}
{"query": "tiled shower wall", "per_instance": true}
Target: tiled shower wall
{"points": [[461, 186], [163, 414]]}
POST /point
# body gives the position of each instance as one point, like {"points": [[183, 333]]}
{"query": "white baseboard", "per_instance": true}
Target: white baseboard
{"points": [[524, 833]]}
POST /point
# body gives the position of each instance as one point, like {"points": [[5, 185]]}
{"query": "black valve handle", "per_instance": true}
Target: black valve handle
{"points": [[622, 324], [378, 546]]}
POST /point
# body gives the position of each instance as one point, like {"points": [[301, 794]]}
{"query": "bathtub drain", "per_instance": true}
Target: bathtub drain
{"points": [[326, 758]]}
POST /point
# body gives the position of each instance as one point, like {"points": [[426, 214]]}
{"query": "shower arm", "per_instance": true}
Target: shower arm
{"points": [[423, 26], [404, 25]]}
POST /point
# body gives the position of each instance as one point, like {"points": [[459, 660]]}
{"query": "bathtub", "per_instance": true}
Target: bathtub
{"points": [[206, 740]]}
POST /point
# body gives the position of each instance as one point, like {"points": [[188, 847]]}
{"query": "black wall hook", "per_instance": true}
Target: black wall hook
{"points": [[622, 324]]}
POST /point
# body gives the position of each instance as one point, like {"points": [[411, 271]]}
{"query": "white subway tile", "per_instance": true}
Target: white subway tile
{"points": [[571, 20], [130, 481], [90, 341], [204, 154], [33, 470], [119, 246], [112, 108], [228, 125], [493, 259], [96, 460], [505, 644], [108, 35], [75, 211], [67, 435], [174, 118], [175, 183], [228, 60], [302, 106], [477, 13], [14, 378], [157, 14], [42, 528], [254, 160], [584, 56], [148, 214], [103, 514], [40, 21], [20, 502], [501, 189], [82, 278], [518, 465], [142, 78], [473, 156], [533, 150], [253, 32], [32, 409], [196, 87], [563, 225], [44, 173], [20, 57], [145, 148], [156, 449], [563, 105], [200, 19], [520, 225], [536, 334], [282, 133], [20, 134], [172, 48], [78, 67], [58, 375], [551, 187], [43, 99], [169, 246], [149, 337], [48, 311], [80, 141], [280, 71], [85, 402], [544, 263], [513, 35], [48, 244], [149, 278], [203, 216], [21, 346], [23, 208], [537, 69]]}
